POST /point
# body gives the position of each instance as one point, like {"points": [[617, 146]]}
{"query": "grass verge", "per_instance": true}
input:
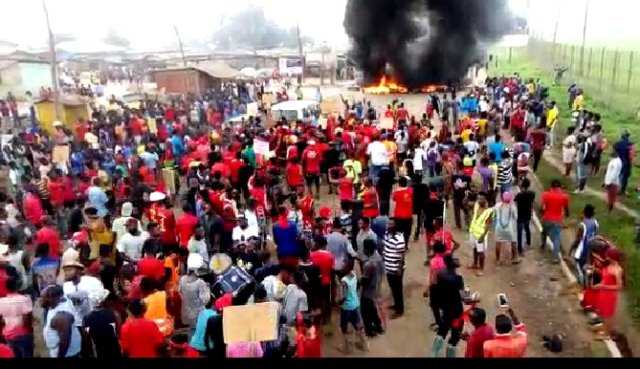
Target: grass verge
{"points": [[613, 121], [617, 227]]}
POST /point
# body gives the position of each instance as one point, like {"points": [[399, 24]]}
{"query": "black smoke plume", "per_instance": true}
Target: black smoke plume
{"points": [[424, 41]]}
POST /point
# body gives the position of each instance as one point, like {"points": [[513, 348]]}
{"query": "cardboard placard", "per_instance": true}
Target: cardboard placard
{"points": [[152, 124], [169, 179], [260, 147], [250, 323], [60, 154]]}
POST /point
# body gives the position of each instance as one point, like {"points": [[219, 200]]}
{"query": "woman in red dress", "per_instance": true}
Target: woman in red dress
{"points": [[607, 300]]}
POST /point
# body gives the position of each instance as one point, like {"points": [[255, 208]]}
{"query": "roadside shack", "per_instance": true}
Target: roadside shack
{"points": [[72, 108]]}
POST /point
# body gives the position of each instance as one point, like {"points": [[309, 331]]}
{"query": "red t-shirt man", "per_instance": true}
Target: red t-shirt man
{"points": [[324, 260], [312, 158], [185, 228], [554, 203], [49, 236], [295, 178], [235, 166], [403, 197], [140, 338], [476, 341]]}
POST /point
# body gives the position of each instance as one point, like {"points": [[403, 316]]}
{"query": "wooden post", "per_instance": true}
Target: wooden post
{"points": [[584, 37], [54, 64], [510, 54]]}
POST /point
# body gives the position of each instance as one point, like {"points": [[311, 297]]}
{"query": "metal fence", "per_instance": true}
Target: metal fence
{"points": [[612, 75]]}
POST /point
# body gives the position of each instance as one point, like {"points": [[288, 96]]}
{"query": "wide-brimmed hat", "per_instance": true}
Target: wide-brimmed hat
{"points": [[157, 196], [71, 259]]}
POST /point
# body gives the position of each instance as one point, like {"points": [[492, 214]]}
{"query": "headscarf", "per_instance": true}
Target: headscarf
{"points": [[507, 197]]}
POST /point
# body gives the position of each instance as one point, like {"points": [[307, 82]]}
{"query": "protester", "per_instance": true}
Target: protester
{"points": [[506, 344]]}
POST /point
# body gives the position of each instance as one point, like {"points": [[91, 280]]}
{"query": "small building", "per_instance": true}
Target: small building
{"points": [[73, 108], [194, 79], [19, 75], [182, 80]]}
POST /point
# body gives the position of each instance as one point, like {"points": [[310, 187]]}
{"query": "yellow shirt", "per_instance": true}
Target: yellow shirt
{"points": [[354, 169], [482, 126], [465, 135], [578, 103], [552, 117]]}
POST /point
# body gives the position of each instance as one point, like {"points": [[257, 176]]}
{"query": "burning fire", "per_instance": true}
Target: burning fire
{"points": [[386, 87]]}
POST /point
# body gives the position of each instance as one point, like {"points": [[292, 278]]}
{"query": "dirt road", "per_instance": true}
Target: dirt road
{"points": [[536, 289]]}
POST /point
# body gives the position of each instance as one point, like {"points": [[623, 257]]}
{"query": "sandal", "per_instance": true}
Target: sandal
{"points": [[479, 273]]}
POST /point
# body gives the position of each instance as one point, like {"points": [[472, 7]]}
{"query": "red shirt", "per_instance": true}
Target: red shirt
{"points": [[33, 209], [81, 130], [184, 228], [294, 175], [167, 223], [136, 127], [151, 267], [140, 338], [312, 159], [555, 202], [222, 168], [403, 114], [345, 189], [50, 237], [170, 114], [477, 338], [538, 139], [56, 192], [259, 195], [5, 352], [446, 237], [403, 198], [234, 166], [324, 260], [371, 208]]}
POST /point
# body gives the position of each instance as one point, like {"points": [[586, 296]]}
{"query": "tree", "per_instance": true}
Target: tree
{"points": [[116, 39], [252, 30]]}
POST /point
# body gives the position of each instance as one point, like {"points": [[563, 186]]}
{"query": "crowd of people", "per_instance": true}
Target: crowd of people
{"points": [[157, 221]]}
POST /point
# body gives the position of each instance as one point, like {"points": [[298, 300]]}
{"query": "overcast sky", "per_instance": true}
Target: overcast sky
{"points": [[149, 23]]}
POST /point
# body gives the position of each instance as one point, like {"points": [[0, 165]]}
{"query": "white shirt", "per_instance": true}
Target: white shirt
{"points": [[243, 235], [252, 218], [472, 147], [378, 153], [614, 168], [131, 245], [418, 156], [79, 296], [483, 106]]}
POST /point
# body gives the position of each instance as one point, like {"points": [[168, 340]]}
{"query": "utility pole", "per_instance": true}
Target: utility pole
{"points": [[555, 35], [184, 60], [54, 64], [301, 52], [584, 37]]}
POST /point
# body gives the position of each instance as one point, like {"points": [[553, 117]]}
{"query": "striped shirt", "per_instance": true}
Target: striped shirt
{"points": [[393, 255], [505, 172]]}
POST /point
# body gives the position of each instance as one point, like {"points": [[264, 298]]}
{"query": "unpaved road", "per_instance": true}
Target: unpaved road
{"points": [[537, 291]]}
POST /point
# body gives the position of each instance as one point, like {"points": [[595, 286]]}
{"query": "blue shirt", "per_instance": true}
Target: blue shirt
{"points": [[177, 144], [150, 160], [351, 300], [197, 340], [287, 239], [497, 148], [98, 199]]}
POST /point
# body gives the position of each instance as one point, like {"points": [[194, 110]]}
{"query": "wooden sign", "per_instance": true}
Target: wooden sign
{"points": [[250, 323], [60, 154], [169, 179], [261, 147]]}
